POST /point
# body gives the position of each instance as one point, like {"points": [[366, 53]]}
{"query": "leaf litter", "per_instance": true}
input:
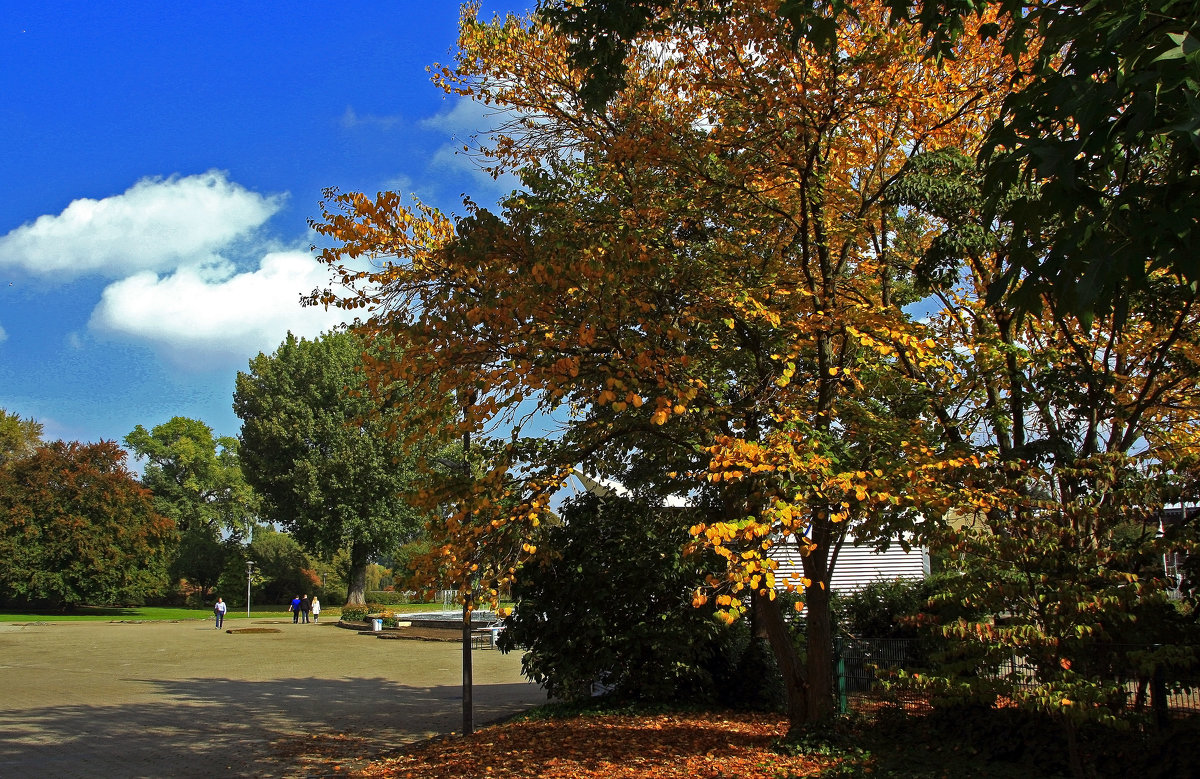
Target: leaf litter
{"points": [[608, 746]]}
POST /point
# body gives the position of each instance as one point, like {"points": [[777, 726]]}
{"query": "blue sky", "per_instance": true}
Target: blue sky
{"points": [[159, 164]]}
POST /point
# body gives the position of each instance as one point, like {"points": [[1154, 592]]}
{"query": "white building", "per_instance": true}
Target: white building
{"points": [[856, 566]]}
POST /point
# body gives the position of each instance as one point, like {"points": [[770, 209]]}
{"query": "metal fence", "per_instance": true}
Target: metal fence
{"points": [[1137, 678]]}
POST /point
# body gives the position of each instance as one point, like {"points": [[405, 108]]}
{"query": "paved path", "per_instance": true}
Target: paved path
{"points": [[180, 699]]}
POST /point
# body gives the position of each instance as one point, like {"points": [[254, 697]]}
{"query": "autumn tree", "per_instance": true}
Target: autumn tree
{"points": [[702, 278], [1105, 123], [77, 527], [1076, 432], [326, 454]]}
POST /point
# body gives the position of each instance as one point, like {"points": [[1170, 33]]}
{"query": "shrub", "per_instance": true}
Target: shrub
{"points": [[390, 598], [617, 614], [884, 609], [333, 594], [744, 671], [354, 613]]}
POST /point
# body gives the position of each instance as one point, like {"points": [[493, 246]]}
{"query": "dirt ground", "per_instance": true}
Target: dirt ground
{"points": [[181, 699]]}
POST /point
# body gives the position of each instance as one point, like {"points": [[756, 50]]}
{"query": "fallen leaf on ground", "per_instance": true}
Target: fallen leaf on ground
{"points": [[695, 746]]}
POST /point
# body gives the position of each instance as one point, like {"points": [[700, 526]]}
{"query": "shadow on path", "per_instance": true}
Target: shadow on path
{"points": [[228, 727]]}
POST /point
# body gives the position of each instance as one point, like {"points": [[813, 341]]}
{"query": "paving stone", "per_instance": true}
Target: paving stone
{"points": [[181, 699]]}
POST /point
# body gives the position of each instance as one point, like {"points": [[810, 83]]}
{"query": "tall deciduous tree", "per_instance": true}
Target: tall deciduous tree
{"points": [[77, 527], [197, 481], [1079, 434], [1106, 122], [703, 278], [323, 450], [196, 477]]}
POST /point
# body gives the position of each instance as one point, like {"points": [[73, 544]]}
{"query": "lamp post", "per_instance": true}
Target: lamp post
{"points": [[468, 597], [249, 571]]}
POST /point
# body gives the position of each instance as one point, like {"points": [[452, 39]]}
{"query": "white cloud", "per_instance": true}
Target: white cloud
{"points": [[351, 120], [400, 183], [469, 122], [204, 318], [156, 224], [467, 117], [190, 273]]}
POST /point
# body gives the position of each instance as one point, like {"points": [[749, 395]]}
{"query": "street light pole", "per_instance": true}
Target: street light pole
{"points": [[468, 682], [249, 571], [469, 592]]}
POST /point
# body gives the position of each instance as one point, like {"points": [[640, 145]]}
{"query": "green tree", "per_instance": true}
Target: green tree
{"points": [[201, 559], [322, 448], [283, 569], [18, 437], [77, 527], [1106, 127], [197, 481], [196, 478]]}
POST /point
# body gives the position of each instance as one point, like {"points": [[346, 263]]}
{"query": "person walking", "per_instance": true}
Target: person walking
{"points": [[305, 608], [316, 608], [219, 613], [295, 609]]}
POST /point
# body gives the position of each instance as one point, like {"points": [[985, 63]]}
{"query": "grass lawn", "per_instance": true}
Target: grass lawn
{"points": [[109, 613]]}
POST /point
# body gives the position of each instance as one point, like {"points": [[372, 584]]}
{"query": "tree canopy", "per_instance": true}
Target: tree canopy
{"points": [[196, 478], [705, 279], [1105, 123], [77, 527], [19, 437], [323, 451]]}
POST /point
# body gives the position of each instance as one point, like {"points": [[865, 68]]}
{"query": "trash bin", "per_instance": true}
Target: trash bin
{"points": [[376, 625]]}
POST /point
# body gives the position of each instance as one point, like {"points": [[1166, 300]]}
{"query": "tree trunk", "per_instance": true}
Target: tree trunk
{"points": [[819, 646], [357, 585], [769, 617]]}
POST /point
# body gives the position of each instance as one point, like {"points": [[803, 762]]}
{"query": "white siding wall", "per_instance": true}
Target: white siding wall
{"points": [[856, 566]]}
